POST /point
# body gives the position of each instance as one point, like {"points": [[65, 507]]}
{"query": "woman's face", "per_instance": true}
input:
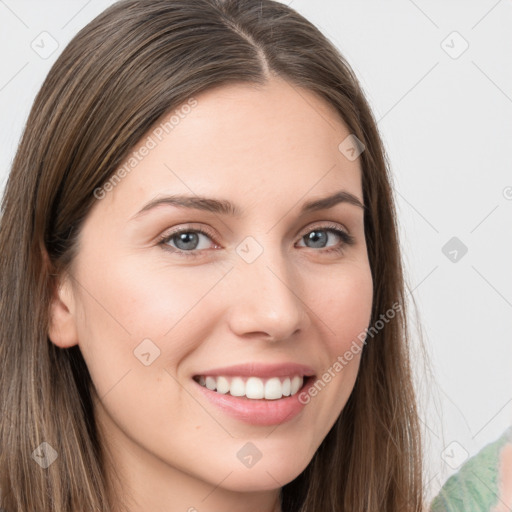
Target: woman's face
{"points": [[266, 293]]}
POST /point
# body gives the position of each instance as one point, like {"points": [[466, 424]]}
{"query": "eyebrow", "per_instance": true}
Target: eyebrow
{"points": [[225, 207]]}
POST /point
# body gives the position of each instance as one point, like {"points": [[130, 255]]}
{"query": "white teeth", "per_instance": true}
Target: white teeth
{"points": [[296, 384], [237, 387], [254, 387], [211, 383], [222, 385], [273, 389], [287, 388]]}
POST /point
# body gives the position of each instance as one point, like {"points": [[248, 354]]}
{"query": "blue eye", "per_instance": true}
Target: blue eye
{"points": [[187, 241], [319, 238]]}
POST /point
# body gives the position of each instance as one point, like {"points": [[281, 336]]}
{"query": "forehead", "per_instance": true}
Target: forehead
{"points": [[274, 141], [277, 120]]}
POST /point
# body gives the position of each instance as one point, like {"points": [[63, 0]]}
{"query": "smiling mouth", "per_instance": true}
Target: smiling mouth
{"points": [[254, 388]]}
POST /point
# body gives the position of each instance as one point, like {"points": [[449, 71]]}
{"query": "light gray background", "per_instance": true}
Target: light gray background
{"points": [[445, 117]]}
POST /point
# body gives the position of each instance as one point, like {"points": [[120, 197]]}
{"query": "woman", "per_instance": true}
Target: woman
{"points": [[202, 298]]}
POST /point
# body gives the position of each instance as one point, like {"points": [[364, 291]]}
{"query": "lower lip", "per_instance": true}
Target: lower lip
{"points": [[258, 412]]}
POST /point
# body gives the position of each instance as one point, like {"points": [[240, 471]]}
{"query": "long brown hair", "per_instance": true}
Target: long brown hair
{"points": [[112, 83]]}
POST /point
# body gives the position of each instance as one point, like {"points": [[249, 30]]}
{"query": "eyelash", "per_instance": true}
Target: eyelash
{"points": [[346, 238]]}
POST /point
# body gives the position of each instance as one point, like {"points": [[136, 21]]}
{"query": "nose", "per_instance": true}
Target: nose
{"points": [[267, 299]]}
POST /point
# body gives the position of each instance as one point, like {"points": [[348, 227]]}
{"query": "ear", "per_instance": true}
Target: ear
{"points": [[62, 329]]}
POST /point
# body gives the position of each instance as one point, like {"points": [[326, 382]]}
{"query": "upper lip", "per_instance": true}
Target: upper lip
{"points": [[261, 370]]}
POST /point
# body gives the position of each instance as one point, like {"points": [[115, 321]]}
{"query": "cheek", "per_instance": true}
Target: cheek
{"points": [[128, 309], [149, 298], [342, 300]]}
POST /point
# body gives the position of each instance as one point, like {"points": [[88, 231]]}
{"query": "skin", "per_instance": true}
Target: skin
{"points": [[505, 480], [268, 149]]}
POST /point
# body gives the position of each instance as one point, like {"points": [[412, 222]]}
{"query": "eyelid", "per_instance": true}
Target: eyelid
{"points": [[325, 225], [167, 235], [347, 238]]}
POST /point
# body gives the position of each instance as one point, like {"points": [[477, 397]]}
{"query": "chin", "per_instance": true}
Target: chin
{"points": [[265, 476]]}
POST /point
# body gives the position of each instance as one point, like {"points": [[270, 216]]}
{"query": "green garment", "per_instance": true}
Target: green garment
{"points": [[475, 487]]}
